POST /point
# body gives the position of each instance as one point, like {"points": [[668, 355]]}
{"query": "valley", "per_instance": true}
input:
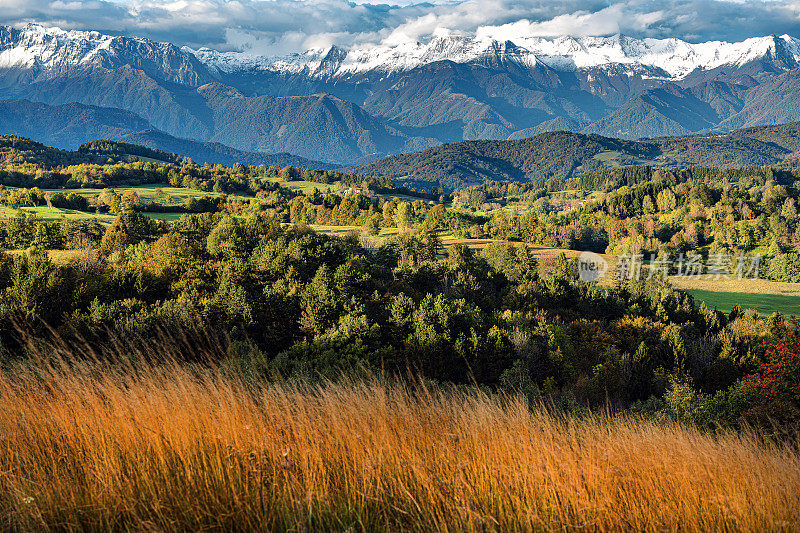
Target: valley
{"points": [[478, 266]]}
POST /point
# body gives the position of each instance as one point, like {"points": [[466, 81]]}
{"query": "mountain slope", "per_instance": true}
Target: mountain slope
{"points": [[317, 125], [550, 155], [564, 154], [347, 105], [668, 110], [66, 125], [314, 126], [216, 153], [773, 102]]}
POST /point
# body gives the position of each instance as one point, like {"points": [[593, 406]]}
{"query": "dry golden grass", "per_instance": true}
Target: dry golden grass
{"points": [[178, 447], [733, 284]]}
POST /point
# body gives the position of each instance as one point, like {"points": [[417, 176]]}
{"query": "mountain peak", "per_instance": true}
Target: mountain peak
{"points": [[37, 46], [674, 57]]}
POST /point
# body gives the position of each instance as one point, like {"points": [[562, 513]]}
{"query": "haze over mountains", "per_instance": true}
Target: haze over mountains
{"points": [[350, 106]]}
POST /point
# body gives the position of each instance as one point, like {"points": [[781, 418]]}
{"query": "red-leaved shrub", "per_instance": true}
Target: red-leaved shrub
{"points": [[775, 385]]}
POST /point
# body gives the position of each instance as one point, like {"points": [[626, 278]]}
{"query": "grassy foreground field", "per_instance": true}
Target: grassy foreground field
{"points": [[100, 447]]}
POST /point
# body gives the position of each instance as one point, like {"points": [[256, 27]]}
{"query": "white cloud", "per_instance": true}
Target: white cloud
{"points": [[281, 26], [607, 21]]}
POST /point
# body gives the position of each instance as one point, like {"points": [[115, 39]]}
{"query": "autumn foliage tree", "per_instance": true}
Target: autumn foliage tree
{"points": [[775, 385]]}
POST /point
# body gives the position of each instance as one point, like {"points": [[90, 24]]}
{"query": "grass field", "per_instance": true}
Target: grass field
{"points": [[54, 213], [615, 159], [765, 304], [764, 296], [150, 193], [306, 187], [164, 216], [161, 194], [127, 446]]}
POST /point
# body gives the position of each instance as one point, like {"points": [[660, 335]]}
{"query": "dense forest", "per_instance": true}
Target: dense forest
{"points": [[655, 212], [293, 302], [553, 155], [103, 163], [297, 303]]}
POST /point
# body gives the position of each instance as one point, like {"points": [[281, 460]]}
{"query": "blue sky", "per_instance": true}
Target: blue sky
{"points": [[282, 26]]}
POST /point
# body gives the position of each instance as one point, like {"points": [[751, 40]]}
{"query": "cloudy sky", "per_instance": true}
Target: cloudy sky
{"points": [[282, 26]]}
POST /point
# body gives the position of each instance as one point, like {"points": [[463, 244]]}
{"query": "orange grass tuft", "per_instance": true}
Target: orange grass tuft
{"points": [[99, 446]]}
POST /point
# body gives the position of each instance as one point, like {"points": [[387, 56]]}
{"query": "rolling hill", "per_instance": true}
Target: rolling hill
{"points": [[565, 154]]}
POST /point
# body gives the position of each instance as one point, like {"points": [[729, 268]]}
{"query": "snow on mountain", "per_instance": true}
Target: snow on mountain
{"points": [[35, 46], [675, 58], [52, 51]]}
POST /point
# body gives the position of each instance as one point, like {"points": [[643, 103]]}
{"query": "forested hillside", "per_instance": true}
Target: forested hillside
{"points": [[16, 150], [658, 213], [552, 155], [217, 153], [558, 155]]}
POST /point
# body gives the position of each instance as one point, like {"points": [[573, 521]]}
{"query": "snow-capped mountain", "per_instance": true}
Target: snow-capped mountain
{"points": [[34, 46], [52, 51], [668, 58], [346, 104]]}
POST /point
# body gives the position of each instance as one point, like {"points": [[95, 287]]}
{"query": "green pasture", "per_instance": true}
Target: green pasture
{"points": [[54, 213], [306, 187], [765, 304], [162, 194], [172, 217]]}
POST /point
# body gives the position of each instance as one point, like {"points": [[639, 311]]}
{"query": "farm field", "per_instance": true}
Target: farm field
{"points": [[761, 286]]}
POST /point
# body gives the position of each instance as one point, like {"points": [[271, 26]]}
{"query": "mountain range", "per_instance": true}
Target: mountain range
{"points": [[350, 106], [546, 156]]}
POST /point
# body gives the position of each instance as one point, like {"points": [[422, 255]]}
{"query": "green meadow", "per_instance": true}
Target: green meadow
{"points": [[162, 194], [764, 304], [54, 213]]}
